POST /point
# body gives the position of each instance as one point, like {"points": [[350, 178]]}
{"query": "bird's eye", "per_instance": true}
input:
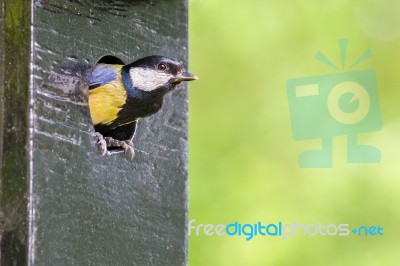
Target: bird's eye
{"points": [[162, 67]]}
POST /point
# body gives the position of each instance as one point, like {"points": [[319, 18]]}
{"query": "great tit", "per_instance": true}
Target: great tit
{"points": [[119, 95]]}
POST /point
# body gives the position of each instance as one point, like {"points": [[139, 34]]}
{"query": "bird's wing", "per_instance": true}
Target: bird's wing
{"points": [[103, 74]]}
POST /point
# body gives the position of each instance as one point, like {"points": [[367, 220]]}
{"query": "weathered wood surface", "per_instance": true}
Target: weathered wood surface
{"points": [[85, 209]]}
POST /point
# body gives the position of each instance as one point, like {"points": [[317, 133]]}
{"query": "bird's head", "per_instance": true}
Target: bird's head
{"points": [[157, 73]]}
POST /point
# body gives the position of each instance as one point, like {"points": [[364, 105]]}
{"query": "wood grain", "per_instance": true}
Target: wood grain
{"points": [[85, 209]]}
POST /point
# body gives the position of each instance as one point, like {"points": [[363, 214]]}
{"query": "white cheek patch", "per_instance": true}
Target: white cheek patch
{"points": [[147, 79]]}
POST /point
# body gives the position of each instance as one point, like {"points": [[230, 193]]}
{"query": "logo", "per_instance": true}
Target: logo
{"points": [[344, 103], [282, 230]]}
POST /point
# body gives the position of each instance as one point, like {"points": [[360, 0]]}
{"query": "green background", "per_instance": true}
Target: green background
{"points": [[243, 159]]}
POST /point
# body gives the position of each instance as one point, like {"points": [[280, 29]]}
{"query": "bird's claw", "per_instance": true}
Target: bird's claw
{"points": [[102, 143], [105, 142], [127, 145]]}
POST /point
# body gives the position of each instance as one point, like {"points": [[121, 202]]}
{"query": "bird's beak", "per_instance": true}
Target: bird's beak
{"points": [[184, 76]]}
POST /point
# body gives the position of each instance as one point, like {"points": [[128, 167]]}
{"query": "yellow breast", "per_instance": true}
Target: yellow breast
{"points": [[106, 101]]}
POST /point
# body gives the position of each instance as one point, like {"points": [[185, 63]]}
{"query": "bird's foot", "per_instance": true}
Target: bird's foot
{"points": [[126, 145], [102, 143], [108, 142]]}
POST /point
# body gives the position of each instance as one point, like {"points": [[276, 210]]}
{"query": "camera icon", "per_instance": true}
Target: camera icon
{"points": [[325, 106]]}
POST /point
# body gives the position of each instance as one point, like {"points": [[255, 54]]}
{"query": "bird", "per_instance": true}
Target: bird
{"points": [[120, 95]]}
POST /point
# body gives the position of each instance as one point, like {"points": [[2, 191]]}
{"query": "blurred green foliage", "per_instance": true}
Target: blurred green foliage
{"points": [[243, 159]]}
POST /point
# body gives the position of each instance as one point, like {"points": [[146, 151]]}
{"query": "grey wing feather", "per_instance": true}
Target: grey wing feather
{"points": [[101, 75]]}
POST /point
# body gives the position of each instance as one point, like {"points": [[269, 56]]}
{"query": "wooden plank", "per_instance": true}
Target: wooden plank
{"points": [[14, 131], [83, 208]]}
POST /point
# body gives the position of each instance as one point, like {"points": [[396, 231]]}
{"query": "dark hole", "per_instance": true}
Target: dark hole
{"points": [[109, 59]]}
